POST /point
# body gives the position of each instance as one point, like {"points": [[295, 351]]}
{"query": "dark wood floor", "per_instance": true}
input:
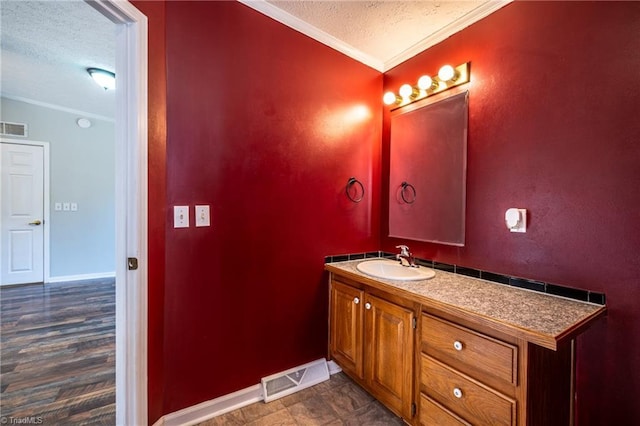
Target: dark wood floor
{"points": [[57, 367], [57, 360]]}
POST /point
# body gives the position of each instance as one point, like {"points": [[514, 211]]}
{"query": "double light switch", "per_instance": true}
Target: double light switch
{"points": [[181, 216]]}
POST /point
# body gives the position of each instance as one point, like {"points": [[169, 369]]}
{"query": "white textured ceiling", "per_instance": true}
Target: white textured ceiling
{"points": [[381, 34], [47, 45]]}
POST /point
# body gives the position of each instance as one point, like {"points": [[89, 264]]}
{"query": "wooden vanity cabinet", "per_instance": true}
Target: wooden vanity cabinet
{"points": [[438, 363], [372, 339], [470, 374]]}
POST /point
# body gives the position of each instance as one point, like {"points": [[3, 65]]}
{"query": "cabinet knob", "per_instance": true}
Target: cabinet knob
{"points": [[367, 305], [356, 300], [457, 345], [457, 392]]}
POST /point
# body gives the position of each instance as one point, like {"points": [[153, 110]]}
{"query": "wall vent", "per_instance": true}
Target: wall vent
{"points": [[13, 129], [294, 380]]}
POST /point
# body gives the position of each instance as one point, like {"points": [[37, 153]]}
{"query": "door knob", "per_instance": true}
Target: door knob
{"points": [[35, 222]]}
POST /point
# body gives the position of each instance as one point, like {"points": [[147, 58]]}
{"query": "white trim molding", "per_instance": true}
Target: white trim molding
{"points": [[131, 209], [303, 27], [470, 18], [219, 406], [80, 277], [215, 407], [58, 108], [378, 64]]}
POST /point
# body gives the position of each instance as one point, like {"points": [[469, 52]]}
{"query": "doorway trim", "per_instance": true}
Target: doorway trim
{"points": [[46, 275], [131, 208]]}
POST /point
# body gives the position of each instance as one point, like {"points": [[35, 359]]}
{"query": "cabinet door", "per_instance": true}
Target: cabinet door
{"points": [[346, 328], [389, 347]]}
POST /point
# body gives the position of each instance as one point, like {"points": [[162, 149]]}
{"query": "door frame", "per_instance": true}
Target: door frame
{"points": [[131, 208], [46, 274]]}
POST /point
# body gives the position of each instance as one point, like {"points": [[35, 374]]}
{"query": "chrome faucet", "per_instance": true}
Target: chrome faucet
{"points": [[406, 256]]}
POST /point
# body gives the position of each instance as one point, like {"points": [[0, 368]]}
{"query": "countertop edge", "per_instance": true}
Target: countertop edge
{"points": [[549, 341]]}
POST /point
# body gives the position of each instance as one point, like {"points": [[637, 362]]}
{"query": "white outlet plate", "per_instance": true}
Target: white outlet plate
{"points": [[203, 217], [180, 216]]}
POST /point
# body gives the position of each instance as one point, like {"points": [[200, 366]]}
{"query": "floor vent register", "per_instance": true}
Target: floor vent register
{"points": [[294, 380]]}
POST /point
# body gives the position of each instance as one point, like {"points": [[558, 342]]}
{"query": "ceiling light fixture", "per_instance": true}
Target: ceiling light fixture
{"points": [[447, 78], [105, 79]]}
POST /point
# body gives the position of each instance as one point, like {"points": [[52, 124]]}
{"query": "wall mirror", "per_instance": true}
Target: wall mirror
{"points": [[428, 170]]}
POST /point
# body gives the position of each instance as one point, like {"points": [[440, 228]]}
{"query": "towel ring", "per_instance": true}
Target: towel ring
{"points": [[404, 186], [353, 181]]}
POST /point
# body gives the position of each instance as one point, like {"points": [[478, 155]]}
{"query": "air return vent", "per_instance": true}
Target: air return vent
{"points": [[293, 380], [13, 129]]}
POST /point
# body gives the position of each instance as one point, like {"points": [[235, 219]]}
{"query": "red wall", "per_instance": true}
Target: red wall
{"points": [[554, 128], [266, 126], [262, 134]]}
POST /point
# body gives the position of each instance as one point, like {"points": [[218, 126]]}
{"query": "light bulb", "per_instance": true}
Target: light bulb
{"points": [[389, 98], [425, 82], [446, 73], [405, 91]]}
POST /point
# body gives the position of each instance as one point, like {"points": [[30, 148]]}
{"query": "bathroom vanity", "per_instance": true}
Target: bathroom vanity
{"points": [[456, 350]]}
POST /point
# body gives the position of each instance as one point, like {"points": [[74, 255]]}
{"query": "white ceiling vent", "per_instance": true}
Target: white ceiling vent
{"points": [[13, 129]]}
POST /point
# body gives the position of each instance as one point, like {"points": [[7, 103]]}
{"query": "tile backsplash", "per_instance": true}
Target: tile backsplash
{"points": [[543, 287]]}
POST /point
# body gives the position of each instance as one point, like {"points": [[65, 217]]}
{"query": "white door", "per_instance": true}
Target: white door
{"points": [[22, 220]]}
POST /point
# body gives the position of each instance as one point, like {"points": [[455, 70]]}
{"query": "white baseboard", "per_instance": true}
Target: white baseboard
{"points": [[81, 277], [224, 404], [333, 367], [212, 408]]}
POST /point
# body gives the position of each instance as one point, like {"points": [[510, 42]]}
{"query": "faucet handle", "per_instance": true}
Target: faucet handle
{"points": [[404, 250]]}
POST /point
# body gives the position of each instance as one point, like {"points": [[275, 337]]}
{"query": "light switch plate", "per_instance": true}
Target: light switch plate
{"points": [[66, 207], [202, 216], [57, 207], [180, 216], [74, 207]]}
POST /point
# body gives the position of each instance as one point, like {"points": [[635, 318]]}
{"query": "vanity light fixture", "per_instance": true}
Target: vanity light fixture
{"points": [[448, 77], [391, 98], [105, 79], [427, 83], [407, 91], [447, 73]]}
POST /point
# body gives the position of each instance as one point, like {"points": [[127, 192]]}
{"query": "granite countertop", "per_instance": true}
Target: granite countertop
{"points": [[538, 317]]}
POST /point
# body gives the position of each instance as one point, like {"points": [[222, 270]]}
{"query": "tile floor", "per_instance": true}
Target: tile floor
{"points": [[337, 401]]}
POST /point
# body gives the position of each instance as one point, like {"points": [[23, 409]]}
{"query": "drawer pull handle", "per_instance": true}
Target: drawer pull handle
{"points": [[457, 345], [367, 305], [356, 300], [457, 393]]}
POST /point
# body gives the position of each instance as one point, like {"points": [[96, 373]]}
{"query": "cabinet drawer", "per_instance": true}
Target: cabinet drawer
{"points": [[464, 396], [447, 341], [434, 414]]}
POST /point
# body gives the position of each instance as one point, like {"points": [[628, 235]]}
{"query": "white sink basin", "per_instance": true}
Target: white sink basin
{"points": [[392, 270]]}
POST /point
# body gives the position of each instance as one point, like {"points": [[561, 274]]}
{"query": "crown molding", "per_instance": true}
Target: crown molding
{"points": [[458, 25], [305, 28], [58, 108]]}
